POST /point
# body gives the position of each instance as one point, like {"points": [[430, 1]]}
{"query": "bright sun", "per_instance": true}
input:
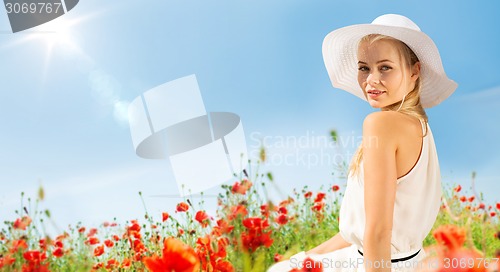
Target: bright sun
{"points": [[57, 33], [57, 36]]}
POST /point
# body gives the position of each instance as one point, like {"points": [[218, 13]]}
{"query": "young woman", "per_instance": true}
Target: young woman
{"points": [[393, 192]]}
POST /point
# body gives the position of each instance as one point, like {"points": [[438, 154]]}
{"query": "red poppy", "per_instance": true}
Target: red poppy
{"points": [[282, 219], [251, 241], [222, 241], [134, 227], [99, 250], [498, 205], [241, 188], [319, 197], [35, 260], [136, 235], [138, 257], [22, 223], [111, 264], [224, 266], [92, 232], [58, 252], [264, 210], [176, 256], [451, 236], [308, 194], [457, 189], [164, 216], [318, 206], [138, 246], [180, 232], [81, 230], [18, 244], [222, 228], [481, 206], [255, 223], [202, 218], [236, 211], [238, 189], [255, 236], [58, 244], [463, 198], [43, 244], [492, 214], [126, 262], [471, 198], [97, 266], [92, 241], [277, 257], [109, 243], [213, 259], [182, 207], [282, 210], [335, 188], [34, 256], [6, 260]]}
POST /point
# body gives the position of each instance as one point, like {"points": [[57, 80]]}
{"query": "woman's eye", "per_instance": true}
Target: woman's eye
{"points": [[363, 68], [385, 68]]}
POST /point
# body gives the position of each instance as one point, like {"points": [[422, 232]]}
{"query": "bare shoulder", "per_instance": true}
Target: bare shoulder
{"points": [[392, 127], [381, 128], [381, 121]]}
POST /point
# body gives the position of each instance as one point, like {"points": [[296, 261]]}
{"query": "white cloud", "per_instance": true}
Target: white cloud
{"points": [[487, 95]]}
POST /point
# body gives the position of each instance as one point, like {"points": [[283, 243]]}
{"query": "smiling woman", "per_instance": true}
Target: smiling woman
{"points": [[384, 72], [386, 213], [388, 68]]}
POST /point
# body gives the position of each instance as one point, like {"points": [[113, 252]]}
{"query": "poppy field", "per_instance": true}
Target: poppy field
{"points": [[247, 233]]}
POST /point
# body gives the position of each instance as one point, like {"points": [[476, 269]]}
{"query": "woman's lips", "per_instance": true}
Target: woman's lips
{"points": [[374, 93]]}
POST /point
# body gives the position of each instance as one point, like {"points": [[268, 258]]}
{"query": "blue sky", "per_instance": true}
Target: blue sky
{"points": [[259, 59]]}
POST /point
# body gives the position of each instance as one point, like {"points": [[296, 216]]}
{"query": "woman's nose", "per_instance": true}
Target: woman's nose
{"points": [[373, 79]]}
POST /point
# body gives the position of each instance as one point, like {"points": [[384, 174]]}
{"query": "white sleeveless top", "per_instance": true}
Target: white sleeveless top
{"points": [[417, 203]]}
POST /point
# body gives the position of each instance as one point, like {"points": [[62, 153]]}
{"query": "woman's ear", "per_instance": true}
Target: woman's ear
{"points": [[415, 71]]}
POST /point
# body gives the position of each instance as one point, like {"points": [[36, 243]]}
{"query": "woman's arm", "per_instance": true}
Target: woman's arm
{"points": [[380, 177], [332, 244]]}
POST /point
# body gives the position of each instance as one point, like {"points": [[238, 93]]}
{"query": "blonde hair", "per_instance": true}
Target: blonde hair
{"points": [[411, 102]]}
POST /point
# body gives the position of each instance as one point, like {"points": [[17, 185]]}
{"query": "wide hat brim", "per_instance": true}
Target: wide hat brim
{"points": [[340, 49]]}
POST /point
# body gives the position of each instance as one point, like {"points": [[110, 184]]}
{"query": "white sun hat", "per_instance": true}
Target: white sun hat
{"points": [[340, 49]]}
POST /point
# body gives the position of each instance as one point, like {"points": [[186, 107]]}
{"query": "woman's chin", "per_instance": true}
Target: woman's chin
{"points": [[375, 104]]}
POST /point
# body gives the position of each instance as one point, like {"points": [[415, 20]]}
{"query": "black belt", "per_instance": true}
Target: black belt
{"points": [[399, 259]]}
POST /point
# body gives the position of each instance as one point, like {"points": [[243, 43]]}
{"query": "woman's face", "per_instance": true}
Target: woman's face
{"points": [[382, 75]]}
